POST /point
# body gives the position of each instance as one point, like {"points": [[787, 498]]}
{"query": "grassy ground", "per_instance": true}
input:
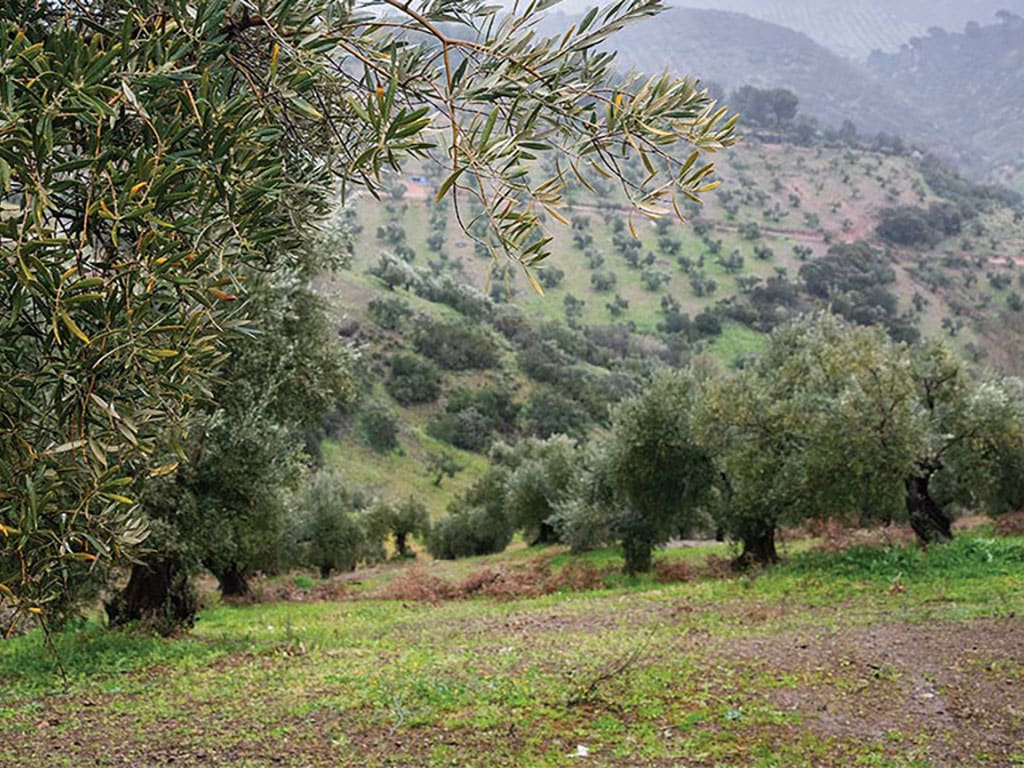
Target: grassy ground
{"points": [[869, 657]]}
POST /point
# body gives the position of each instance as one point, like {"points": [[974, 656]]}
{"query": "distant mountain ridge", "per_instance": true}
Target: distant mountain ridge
{"points": [[959, 94], [971, 83], [856, 28], [733, 49]]}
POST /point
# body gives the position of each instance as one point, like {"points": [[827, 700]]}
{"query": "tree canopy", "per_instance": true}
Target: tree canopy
{"points": [[155, 152]]}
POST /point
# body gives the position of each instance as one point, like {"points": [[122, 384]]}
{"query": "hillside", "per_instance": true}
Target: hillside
{"points": [[733, 49], [792, 228], [855, 28], [957, 93], [971, 82]]}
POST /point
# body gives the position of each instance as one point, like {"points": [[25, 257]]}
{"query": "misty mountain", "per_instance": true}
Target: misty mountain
{"points": [[959, 94], [732, 49], [855, 28], [970, 83]]}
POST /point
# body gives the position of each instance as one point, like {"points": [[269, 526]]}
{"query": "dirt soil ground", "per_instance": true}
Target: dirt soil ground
{"points": [[946, 691]]}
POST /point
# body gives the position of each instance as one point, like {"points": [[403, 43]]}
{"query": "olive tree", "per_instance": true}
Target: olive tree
{"points": [[972, 448], [544, 476], [660, 474], [334, 527], [402, 519], [154, 151], [824, 424], [838, 420]]}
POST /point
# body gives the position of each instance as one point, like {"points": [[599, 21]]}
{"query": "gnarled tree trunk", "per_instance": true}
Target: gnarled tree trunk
{"points": [[758, 548], [546, 534], [159, 595], [931, 523], [232, 580], [402, 544]]}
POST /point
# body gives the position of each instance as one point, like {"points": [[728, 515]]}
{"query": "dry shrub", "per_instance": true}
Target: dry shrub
{"points": [[1011, 524], [415, 584], [479, 582], [579, 577], [716, 567], [531, 578], [289, 592], [667, 571], [836, 535]]}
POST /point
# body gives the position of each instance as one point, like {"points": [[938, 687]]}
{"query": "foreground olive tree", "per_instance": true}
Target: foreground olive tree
{"points": [[155, 151]]}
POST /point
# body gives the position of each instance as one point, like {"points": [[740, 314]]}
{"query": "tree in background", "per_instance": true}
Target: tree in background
{"points": [[823, 424], [477, 522], [402, 519], [334, 531], [543, 475], [660, 475], [767, 106]]}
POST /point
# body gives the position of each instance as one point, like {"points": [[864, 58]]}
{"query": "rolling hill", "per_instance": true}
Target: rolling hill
{"points": [[791, 229], [855, 28], [956, 93]]}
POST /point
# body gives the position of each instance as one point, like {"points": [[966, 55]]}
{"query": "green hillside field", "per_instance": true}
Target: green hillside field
{"points": [[780, 197]]}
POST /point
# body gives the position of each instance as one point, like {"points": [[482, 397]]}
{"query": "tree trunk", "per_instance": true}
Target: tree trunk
{"points": [[638, 555], [401, 547], [546, 534], [758, 549], [325, 571], [232, 581], [931, 523], [159, 596]]}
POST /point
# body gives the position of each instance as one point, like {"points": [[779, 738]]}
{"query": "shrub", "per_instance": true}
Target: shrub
{"points": [[334, 531], [413, 379], [389, 312], [455, 346], [749, 231], [477, 521], [494, 402], [379, 427], [467, 429], [546, 412], [602, 282], [551, 277], [653, 279]]}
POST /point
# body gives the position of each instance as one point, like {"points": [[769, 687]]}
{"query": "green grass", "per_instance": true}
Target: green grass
{"points": [[736, 340], [710, 672], [402, 473]]}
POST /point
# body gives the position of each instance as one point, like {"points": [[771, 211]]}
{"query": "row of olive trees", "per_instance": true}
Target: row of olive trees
{"points": [[833, 420]]}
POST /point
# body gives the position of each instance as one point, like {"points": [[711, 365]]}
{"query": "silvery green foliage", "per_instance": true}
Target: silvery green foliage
{"points": [[156, 150]]}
